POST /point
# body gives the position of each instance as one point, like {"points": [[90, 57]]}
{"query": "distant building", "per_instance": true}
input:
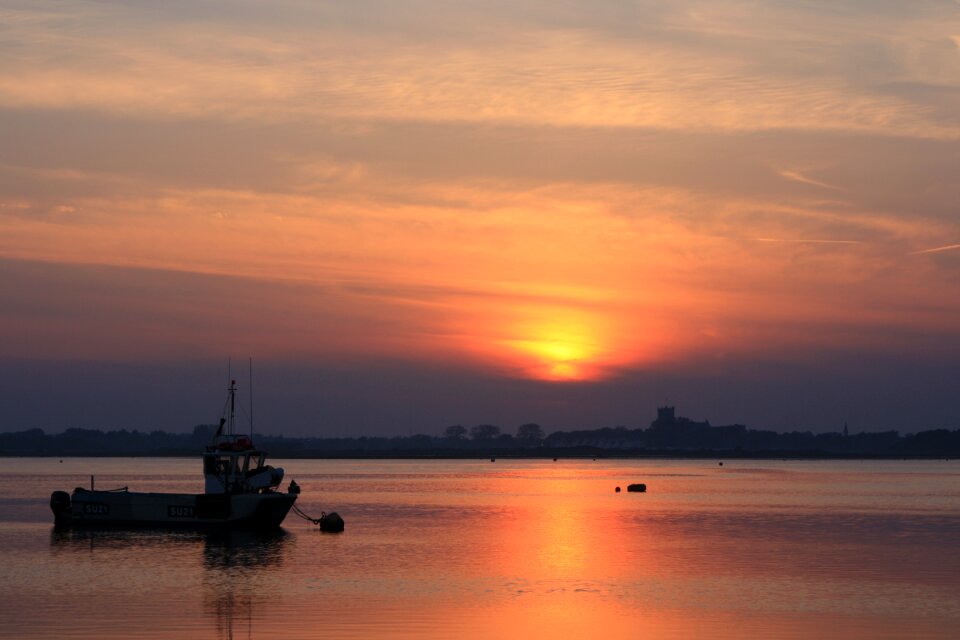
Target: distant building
{"points": [[667, 417], [670, 431]]}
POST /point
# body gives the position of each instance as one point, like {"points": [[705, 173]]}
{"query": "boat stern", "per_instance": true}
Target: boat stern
{"points": [[60, 505]]}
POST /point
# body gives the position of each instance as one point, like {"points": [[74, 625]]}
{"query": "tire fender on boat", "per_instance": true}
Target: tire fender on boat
{"points": [[60, 505]]}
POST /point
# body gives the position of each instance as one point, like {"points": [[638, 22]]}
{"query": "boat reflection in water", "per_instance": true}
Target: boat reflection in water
{"points": [[236, 564], [237, 572]]}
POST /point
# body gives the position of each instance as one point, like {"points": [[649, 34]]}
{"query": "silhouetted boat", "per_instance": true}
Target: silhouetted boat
{"points": [[241, 492]]}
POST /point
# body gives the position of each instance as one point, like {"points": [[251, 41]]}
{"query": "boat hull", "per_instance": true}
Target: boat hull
{"points": [[248, 511]]}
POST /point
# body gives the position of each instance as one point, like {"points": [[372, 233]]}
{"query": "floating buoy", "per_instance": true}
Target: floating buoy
{"points": [[617, 489], [720, 464], [331, 522], [637, 488], [554, 459], [493, 459]]}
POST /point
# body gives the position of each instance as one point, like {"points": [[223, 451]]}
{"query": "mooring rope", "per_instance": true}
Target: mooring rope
{"points": [[300, 513]]}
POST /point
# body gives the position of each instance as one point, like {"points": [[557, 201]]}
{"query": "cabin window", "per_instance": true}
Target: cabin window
{"points": [[222, 465]]}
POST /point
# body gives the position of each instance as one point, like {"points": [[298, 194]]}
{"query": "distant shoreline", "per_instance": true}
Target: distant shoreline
{"points": [[493, 455], [669, 436]]}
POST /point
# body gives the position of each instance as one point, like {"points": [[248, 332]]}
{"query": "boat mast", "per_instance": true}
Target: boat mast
{"points": [[233, 393], [230, 395]]}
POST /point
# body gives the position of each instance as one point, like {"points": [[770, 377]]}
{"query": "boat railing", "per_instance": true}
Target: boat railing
{"points": [[231, 442]]}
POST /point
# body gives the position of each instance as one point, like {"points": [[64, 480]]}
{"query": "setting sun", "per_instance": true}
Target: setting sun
{"points": [[559, 350], [558, 358]]}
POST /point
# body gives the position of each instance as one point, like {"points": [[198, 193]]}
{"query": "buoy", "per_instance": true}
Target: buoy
{"points": [[331, 523], [493, 459], [554, 459], [617, 489], [637, 488], [720, 464]]}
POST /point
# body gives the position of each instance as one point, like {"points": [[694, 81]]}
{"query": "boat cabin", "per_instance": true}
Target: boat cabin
{"points": [[233, 465]]}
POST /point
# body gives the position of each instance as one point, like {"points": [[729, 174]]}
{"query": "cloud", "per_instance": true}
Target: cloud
{"points": [[949, 247], [696, 68], [807, 241], [800, 177]]}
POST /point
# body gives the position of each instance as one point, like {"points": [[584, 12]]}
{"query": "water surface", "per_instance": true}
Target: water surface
{"points": [[532, 549]]}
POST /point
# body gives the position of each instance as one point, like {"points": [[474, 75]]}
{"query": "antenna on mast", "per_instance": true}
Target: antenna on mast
{"points": [[233, 406], [251, 399]]}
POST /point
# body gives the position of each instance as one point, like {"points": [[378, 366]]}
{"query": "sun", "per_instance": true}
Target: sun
{"points": [[556, 343], [559, 352]]}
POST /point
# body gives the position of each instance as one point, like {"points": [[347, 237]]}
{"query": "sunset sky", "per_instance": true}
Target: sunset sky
{"points": [[416, 214]]}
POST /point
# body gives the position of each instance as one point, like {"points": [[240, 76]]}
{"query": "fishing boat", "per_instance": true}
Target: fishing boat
{"points": [[241, 491]]}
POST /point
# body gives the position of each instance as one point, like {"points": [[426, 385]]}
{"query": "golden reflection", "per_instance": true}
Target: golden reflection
{"points": [[564, 534]]}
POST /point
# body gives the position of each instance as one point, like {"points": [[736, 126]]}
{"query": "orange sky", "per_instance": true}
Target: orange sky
{"points": [[534, 192]]}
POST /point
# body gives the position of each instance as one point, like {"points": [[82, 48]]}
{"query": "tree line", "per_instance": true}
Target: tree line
{"points": [[528, 440]]}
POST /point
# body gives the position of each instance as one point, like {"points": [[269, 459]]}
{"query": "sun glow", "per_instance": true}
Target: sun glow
{"points": [[569, 349], [556, 359]]}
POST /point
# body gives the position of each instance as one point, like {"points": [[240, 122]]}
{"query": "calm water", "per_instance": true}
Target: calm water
{"points": [[530, 549]]}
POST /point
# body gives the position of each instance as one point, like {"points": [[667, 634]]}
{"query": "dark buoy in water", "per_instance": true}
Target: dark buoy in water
{"points": [[617, 489], [493, 459], [637, 488], [331, 523], [720, 464], [554, 459]]}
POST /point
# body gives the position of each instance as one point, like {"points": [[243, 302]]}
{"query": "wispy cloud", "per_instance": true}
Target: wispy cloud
{"points": [[797, 176], [697, 69], [949, 247], [807, 241]]}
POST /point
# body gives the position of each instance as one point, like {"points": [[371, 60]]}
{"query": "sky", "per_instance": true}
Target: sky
{"points": [[424, 213]]}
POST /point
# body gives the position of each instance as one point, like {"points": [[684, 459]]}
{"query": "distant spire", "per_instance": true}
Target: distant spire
{"points": [[845, 432]]}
